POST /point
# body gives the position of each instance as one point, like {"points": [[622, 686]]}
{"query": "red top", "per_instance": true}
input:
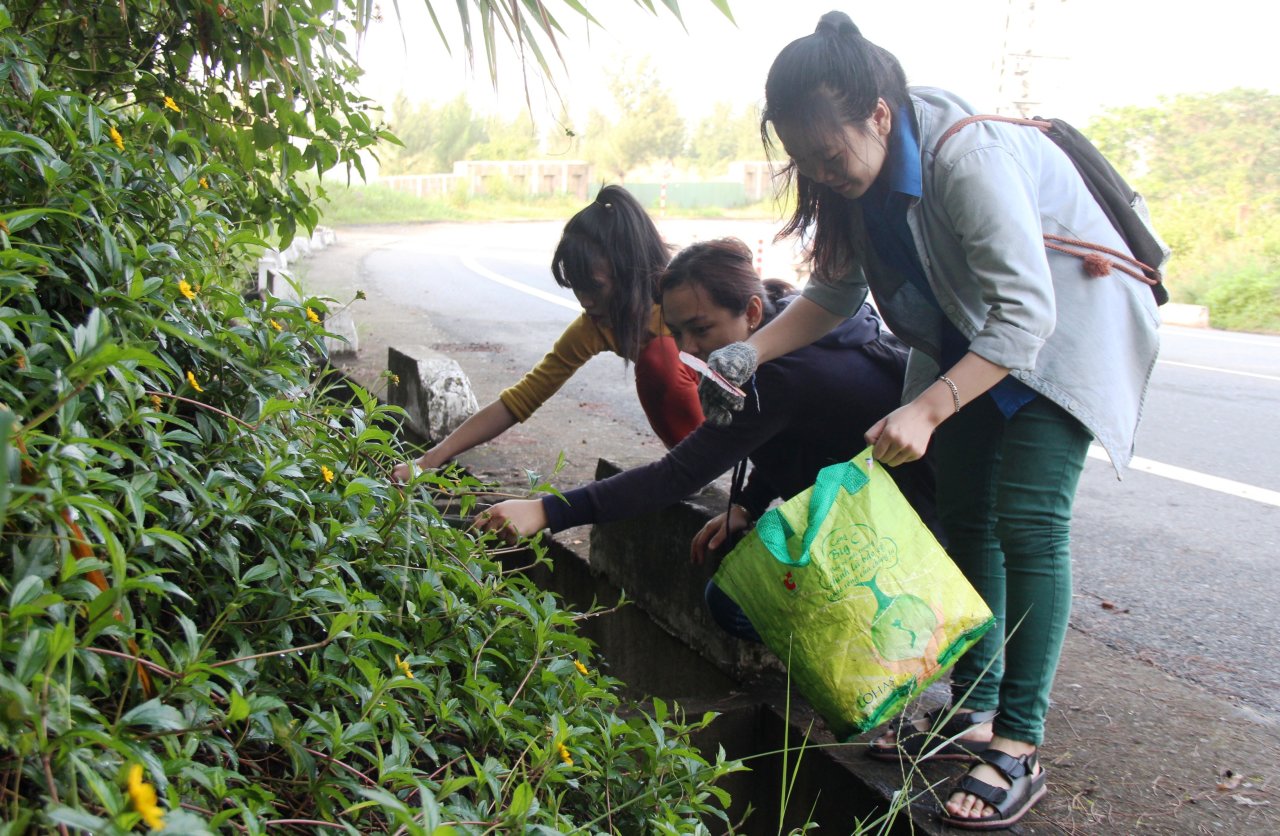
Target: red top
{"points": [[668, 391]]}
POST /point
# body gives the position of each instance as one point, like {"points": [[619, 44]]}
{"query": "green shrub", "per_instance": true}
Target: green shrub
{"points": [[1245, 300], [215, 610]]}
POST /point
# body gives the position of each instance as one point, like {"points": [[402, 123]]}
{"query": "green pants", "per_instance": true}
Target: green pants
{"points": [[1005, 491]]}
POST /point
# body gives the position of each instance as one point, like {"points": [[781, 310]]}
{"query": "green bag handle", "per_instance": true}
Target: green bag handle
{"points": [[774, 530]]}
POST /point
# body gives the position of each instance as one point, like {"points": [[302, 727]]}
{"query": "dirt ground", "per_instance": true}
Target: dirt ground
{"points": [[1130, 748]]}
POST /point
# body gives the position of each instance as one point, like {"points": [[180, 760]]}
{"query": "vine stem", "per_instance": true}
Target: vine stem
{"points": [[265, 654], [175, 675], [203, 405], [337, 762]]}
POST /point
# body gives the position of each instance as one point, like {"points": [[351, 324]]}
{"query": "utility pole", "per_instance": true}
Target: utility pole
{"points": [[1022, 81]]}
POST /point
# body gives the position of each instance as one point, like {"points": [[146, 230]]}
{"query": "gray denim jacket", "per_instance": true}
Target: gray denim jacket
{"points": [[1088, 344]]}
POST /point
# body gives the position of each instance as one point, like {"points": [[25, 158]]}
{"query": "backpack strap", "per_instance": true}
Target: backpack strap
{"points": [[1098, 259], [1042, 124]]}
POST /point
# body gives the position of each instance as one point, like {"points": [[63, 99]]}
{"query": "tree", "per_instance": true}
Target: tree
{"points": [[507, 139], [1209, 166], [648, 126], [430, 138], [723, 137]]}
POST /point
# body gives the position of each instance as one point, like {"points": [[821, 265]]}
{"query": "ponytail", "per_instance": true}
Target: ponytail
{"points": [[818, 85], [614, 233]]}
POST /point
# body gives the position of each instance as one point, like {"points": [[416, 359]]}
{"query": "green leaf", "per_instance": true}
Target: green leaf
{"points": [[521, 800], [32, 654], [154, 714], [78, 819], [265, 569], [25, 590], [8, 461], [239, 707]]}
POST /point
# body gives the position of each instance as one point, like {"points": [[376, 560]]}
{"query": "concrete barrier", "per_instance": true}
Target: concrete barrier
{"points": [[431, 388], [274, 264], [345, 339], [1187, 316], [648, 557]]}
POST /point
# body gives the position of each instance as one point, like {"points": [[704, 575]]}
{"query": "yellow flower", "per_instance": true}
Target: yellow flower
{"points": [[155, 401], [191, 378], [564, 754], [582, 669], [327, 474], [311, 315], [143, 796], [186, 290], [276, 325], [171, 104], [115, 137], [204, 184], [404, 667], [394, 378]]}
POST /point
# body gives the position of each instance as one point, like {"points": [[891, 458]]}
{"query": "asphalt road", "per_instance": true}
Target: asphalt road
{"points": [[1175, 564]]}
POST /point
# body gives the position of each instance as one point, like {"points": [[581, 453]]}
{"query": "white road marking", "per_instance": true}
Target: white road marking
{"points": [[1221, 370], [1193, 477], [473, 266]]}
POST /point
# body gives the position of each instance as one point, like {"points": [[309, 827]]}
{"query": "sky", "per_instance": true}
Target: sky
{"points": [[1099, 53]]}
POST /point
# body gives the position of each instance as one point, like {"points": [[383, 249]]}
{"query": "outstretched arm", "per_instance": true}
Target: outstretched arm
{"points": [[801, 323], [581, 341], [485, 425]]}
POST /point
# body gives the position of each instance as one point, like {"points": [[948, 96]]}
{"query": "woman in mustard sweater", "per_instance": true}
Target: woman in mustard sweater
{"points": [[610, 256]]}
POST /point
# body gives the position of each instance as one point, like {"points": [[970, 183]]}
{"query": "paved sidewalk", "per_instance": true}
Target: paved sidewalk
{"points": [[1130, 748]]}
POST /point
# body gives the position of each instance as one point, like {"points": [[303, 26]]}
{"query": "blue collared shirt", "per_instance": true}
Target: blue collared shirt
{"points": [[884, 211]]}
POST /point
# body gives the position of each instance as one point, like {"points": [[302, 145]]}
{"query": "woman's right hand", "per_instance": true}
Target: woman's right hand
{"points": [[735, 362], [713, 534]]}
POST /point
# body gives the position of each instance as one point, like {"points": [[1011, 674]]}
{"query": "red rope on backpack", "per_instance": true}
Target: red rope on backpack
{"points": [[1096, 264]]}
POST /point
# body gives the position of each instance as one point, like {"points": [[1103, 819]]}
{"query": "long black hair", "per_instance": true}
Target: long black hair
{"points": [[723, 268], [616, 234], [818, 85]]}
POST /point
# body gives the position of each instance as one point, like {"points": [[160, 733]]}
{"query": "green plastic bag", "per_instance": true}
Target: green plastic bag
{"points": [[847, 583]]}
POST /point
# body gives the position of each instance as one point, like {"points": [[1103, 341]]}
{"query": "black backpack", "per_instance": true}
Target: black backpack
{"points": [[1124, 207]]}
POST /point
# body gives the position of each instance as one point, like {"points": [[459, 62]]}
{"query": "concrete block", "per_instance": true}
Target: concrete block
{"points": [[432, 389], [345, 340], [648, 558], [266, 269], [282, 285], [322, 237], [1187, 316]]}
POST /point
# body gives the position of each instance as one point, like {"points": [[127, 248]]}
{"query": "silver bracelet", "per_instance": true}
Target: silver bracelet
{"points": [[955, 391]]}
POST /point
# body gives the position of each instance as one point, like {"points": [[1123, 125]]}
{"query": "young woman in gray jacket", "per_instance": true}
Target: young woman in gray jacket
{"points": [[1022, 353]]}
